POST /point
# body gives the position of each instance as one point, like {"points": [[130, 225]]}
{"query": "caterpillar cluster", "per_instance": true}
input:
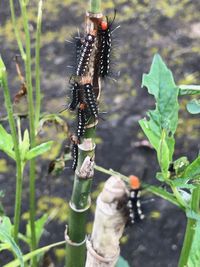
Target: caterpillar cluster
{"points": [[82, 94]]}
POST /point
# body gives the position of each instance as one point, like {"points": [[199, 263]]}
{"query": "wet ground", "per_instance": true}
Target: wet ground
{"points": [[147, 27]]}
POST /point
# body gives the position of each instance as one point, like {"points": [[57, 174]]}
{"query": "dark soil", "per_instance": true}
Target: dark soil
{"points": [[146, 28]]}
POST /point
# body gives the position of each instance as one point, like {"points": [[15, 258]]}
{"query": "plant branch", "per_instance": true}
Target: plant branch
{"points": [[28, 65], [190, 229], [37, 64], [16, 30], [36, 252], [19, 173]]}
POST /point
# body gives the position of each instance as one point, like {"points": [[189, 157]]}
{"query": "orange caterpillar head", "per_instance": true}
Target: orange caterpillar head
{"points": [[134, 182]]}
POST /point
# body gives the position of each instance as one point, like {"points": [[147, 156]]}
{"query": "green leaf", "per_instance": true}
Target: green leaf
{"points": [[6, 143], [161, 193], [2, 70], [182, 183], [194, 256], [39, 228], [122, 262], [160, 83], [193, 170], [193, 106], [38, 150], [24, 146], [162, 123], [6, 238], [163, 154], [180, 165], [34, 253]]}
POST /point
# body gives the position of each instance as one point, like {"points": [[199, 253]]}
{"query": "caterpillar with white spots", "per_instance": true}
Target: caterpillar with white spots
{"points": [[75, 88], [74, 156], [90, 99], [134, 206], [85, 53]]}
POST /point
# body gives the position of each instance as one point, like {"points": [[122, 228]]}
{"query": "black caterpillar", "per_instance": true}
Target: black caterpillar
{"points": [[74, 156], [81, 123], [85, 53], [105, 37], [134, 207], [90, 99], [75, 91]]}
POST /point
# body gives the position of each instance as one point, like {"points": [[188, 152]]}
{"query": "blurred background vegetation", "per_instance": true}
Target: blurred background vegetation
{"points": [[171, 28]]}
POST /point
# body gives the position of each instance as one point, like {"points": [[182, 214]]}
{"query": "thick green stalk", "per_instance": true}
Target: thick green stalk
{"points": [[37, 65], [190, 229], [16, 30], [31, 123], [95, 6], [19, 172], [81, 201]]}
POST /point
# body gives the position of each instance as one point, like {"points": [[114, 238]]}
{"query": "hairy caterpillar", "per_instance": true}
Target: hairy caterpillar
{"points": [[90, 99], [81, 123], [105, 37], [74, 156], [134, 206], [74, 96], [85, 53]]}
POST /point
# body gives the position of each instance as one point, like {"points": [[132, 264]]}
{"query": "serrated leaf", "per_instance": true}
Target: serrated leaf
{"points": [[6, 143], [194, 256], [164, 118], [6, 237], [38, 150], [160, 83], [193, 170], [193, 106], [122, 262]]}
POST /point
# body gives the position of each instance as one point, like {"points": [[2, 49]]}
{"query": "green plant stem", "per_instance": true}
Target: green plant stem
{"points": [[81, 200], [190, 229], [37, 65], [150, 188], [36, 252], [16, 30], [178, 196], [31, 124], [19, 171], [95, 6], [189, 87]]}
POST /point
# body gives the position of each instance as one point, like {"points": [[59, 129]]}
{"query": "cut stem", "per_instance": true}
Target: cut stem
{"points": [[95, 6], [80, 203]]}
